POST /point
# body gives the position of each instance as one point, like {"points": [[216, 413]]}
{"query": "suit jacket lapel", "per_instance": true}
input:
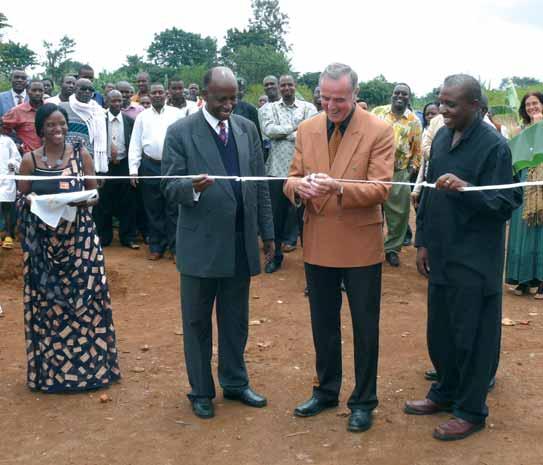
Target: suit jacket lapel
{"points": [[320, 138], [350, 141], [244, 154], [209, 152]]}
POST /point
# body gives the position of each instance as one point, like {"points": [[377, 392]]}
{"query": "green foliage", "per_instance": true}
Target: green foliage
{"points": [[377, 91], [174, 48], [519, 82], [3, 23], [269, 19], [14, 55], [310, 79], [254, 62], [57, 62], [236, 38]]}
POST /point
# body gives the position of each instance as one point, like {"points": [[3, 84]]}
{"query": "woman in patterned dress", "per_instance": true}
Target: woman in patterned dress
{"points": [[70, 338]]}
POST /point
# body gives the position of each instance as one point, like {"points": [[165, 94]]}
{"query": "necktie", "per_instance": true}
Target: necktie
{"points": [[333, 144], [19, 98], [223, 135]]}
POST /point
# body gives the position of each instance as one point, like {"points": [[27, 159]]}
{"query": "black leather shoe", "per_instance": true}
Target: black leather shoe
{"points": [[203, 407], [313, 407], [273, 266], [360, 420], [393, 259], [247, 397], [430, 375]]}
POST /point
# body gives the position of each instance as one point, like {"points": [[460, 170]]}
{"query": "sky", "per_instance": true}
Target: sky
{"points": [[417, 41]]}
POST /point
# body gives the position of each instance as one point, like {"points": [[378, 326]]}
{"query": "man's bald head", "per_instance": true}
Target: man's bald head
{"points": [[219, 75], [220, 92]]}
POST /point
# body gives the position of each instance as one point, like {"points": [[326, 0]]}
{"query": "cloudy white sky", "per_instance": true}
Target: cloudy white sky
{"points": [[419, 42]]}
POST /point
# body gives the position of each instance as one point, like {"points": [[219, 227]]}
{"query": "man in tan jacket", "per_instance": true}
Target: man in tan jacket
{"points": [[343, 235]]}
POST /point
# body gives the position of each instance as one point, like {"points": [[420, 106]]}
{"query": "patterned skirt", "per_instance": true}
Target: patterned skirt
{"points": [[70, 338]]}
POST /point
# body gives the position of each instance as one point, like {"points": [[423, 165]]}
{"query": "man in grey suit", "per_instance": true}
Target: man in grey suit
{"points": [[17, 94], [217, 243]]}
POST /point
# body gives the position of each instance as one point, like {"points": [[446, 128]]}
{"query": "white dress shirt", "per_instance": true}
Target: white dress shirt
{"points": [[55, 99], [189, 108], [115, 125], [149, 133], [15, 99], [214, 122]]}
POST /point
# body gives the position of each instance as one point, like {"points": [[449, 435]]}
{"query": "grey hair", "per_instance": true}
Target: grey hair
{"points": [[470, 85], [336, 71], [114, 93]]}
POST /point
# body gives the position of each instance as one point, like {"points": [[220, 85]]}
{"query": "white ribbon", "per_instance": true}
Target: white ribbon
{"points": [[18, 177]]}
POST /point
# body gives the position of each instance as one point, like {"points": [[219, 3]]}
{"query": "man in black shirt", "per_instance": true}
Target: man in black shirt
{"points": [[460, 240]]}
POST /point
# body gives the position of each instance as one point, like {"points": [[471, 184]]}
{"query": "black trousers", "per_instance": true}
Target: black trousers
{"points": [[464, 332], [117, 198], [7, 209], [363, 286], [161, 215], [231, 296], [280, 210]]}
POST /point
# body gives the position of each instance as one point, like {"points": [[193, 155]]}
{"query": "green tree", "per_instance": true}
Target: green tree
{"points": [[57, 58], [311, 79], [377, 91], [175, 48], [520, 82], [255, 62], [269, 19], [3, 23], [14, 55], [236, 38]]}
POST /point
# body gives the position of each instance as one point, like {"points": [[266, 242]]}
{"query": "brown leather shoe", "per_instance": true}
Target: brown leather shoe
{"points": [[455, 429], [154, 256], [424, 407]]}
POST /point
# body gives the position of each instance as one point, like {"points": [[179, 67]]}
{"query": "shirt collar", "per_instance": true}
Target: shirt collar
{"points": [[405, 114], [14, 94], [111, 116], [295, 104], [162, 110], [25, 106], [211, 120], [343, 125], [468, 131]]}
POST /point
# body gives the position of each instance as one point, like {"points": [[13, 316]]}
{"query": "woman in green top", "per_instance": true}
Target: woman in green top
{"points": [[525, 247]]}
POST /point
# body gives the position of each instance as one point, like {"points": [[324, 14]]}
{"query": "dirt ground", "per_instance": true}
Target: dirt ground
{"points": [[149, 420]]}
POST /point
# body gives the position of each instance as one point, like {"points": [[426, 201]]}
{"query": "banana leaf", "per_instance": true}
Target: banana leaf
{"points": [[527, 147]]}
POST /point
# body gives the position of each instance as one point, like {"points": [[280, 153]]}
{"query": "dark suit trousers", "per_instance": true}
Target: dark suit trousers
{"points": [[464, 331], [363, 285], [161, 215], [232, 309], [280, 210], [117, 198]]}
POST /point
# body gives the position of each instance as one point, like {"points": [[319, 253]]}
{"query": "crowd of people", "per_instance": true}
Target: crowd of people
{"points": [[211, 227]]}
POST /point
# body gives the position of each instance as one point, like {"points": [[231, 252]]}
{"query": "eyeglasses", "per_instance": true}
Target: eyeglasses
{"points": [[87, 89]]}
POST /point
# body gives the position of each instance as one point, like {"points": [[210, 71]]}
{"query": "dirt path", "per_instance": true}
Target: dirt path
{"points": [[149, 420]]}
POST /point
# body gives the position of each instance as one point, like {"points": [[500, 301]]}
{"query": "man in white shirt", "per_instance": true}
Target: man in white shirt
{"points": [[176, 97], [66, 89], [117, 196], [145, 158], [279, 122]]}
